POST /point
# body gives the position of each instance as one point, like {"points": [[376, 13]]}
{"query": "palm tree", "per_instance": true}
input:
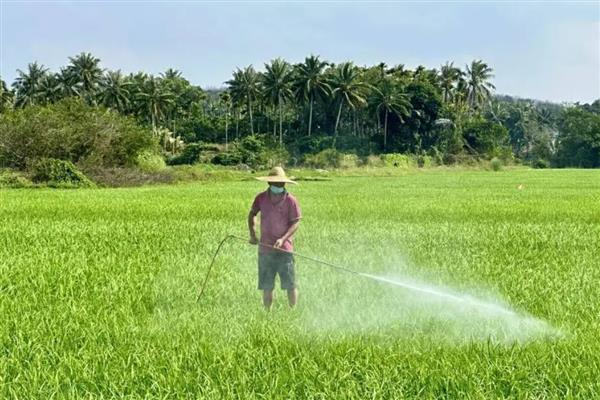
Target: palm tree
{"points": [[277, 87], [347, 89], [138, 83], [245, 88], [154, 100], [86, 72], [479, 88], [6, 97], [67, 83], [49, 89], [310, 83], [27, 84], [389, 99], [114, 91], [171, 74], [448, 79]]}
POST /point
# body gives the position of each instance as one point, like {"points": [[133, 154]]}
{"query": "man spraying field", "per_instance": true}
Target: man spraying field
{"points": [[279, 219]]}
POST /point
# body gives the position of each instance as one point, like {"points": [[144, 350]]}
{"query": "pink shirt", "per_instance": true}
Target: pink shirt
{"points": [[276, 218]]}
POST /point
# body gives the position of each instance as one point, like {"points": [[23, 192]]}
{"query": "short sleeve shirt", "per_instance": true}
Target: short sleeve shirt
{"points": [[275, 218]]}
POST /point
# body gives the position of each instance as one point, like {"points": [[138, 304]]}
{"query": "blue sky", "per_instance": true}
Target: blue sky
{"points": [[544, 50]]}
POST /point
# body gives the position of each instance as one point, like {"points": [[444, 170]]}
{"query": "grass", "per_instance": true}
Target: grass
{"points": [[98, 287]]}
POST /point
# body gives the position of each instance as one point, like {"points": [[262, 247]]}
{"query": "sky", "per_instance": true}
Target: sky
{"points": [[542, 50]]}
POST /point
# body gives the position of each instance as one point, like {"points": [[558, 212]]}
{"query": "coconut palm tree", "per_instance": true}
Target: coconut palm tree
{"points": [[86, 73], [49, 89], [114, 91], [27, 84], [245, 88], [277, 87], [347, 88], [310, 83], [171, 74], [6, 97], [154, 100], [479, 88], [67, 83], [448, 79], [390, 100]]}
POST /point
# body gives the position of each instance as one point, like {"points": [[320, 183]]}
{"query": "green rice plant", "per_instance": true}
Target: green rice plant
{"points": [[98, 290]]}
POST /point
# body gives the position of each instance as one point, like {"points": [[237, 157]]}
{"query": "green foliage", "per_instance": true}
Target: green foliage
{"points": [[579, 139], [496, 164], [13, 179], [308, 107], [399, 160], [228, 158], [540, 163], [58, 173], [425, 161], [349, 161], [71, 130], [255, 151], [373, 161], [190, 154], [485, 137], [328, 158], [150, 162]]}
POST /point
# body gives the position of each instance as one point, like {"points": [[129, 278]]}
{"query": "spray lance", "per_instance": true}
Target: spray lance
{"points": [[405, 285]]}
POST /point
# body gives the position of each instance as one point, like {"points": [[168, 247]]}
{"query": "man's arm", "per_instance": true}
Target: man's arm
{"points": [[251, 223], [290, 232]]}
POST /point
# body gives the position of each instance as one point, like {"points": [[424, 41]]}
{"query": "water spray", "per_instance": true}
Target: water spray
{"points": [[415, 288]]}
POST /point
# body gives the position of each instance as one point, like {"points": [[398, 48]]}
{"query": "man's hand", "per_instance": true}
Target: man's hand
{"points": [[253, 240], [279, 243]]}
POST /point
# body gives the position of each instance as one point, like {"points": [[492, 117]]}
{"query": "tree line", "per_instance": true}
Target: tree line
{"points": [[447, 112]]}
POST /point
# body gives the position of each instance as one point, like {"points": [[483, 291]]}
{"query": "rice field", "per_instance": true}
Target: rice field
{"points": [[98, 291]]}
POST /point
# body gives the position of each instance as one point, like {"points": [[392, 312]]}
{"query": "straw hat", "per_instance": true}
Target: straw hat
{"points": [[277, 174]]}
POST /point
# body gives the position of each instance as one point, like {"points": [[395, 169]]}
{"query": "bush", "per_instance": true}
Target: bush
{"points": [[424, 161], [150, 162], [273, 157], [58, 173], [485, 137], [254, 152], [328, 158], [540, 163], [189, 155], [74, 131], [496, 164], [227, 158], [13, 179], [374, 161], [398, 160], [579, 139], [349, 161]]}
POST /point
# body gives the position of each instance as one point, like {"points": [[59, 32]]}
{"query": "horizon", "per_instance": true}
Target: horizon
{"points": [[546, 52]]}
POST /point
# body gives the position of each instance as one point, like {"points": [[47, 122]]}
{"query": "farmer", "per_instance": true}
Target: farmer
{"points": [[279, 219]]}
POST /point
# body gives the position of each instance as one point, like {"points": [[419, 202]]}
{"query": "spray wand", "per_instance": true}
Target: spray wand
{"points": [[405, 285]]}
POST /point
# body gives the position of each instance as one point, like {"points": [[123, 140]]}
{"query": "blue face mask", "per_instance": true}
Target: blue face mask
{"points": [[276, 190]]}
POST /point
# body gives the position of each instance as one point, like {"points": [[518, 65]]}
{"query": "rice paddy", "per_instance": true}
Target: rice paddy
{"points": [[98, 291]]}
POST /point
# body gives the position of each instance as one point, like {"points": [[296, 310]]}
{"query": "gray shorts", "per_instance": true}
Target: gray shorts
{"points": [[276, 263]]}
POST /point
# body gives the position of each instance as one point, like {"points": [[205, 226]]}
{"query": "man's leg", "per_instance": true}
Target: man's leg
{"points": [[287, 274], [266, 278], [267, 299], [292, 297]]}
